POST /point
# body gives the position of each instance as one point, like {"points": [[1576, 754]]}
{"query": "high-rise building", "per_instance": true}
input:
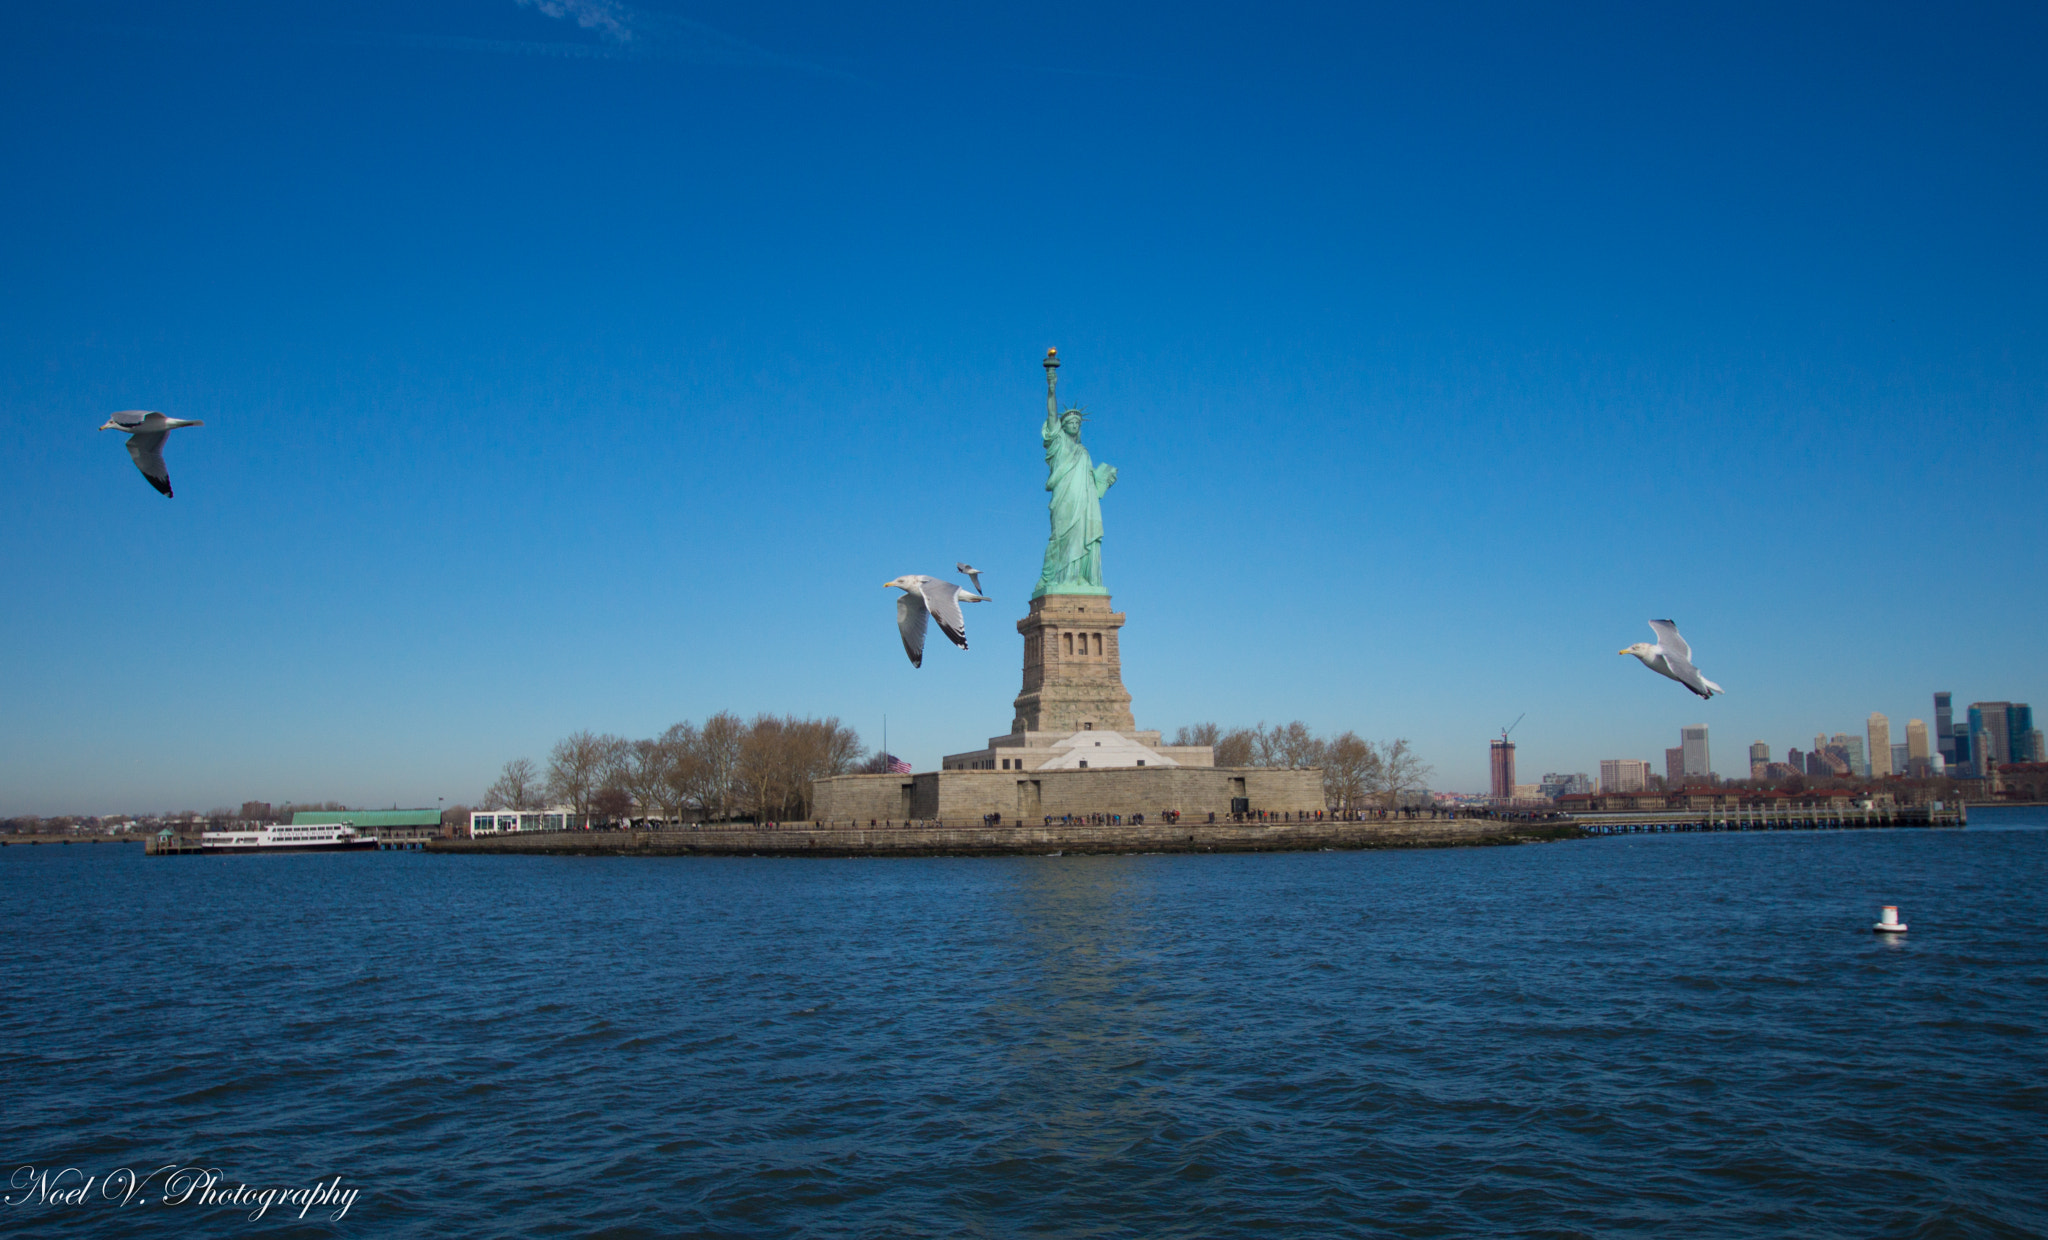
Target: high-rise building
{"points": [[1816, 765], [1984, 747], [1624, 775], [1944, 729], [2037, 749], [1795, 760], [1919, 763], [1880, 730], [1503, 769], [2019, 731], [1693, 740], [1555, 785], [1963, 763], [1836, 760], [1674, 767], [1902, 761], [1759, 758], [1992, 721], [1852, 746]]}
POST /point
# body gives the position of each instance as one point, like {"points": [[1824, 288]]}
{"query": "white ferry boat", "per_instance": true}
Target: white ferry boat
{"points": [[286, 838]]}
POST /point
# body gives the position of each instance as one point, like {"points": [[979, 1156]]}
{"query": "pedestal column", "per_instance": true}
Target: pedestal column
{"points": [[1073, 672]]}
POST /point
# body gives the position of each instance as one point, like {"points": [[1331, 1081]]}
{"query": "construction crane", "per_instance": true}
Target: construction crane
{"points": [[1511, 727]]}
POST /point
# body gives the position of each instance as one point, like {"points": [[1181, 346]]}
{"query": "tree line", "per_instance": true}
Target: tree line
{"points": [[725, 767], [1356, 772]]}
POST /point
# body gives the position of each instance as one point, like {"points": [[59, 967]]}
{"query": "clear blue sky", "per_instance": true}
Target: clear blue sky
{"points": [[578, 365]]}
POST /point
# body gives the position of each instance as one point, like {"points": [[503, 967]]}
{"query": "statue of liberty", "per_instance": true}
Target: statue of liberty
{"points": [[1073, 552]]}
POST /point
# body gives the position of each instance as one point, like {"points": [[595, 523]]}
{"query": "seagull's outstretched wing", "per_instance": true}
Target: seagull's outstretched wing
{"points": [[943, 600], [147, 447], [1686, 674], [1667, 637], [910, 615], [973, 574], [1677, 659]]}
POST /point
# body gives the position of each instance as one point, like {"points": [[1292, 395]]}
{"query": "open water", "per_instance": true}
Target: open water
{"points": [[1678, 1036]]}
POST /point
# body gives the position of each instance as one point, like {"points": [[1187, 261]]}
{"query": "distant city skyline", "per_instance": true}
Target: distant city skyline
{"points": [[2001, 726]]}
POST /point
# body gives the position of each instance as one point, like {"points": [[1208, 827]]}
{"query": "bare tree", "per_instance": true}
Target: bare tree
{"points": [[759, 786], [645, 774], [1235, 747], [615, 769], [1290, 745], [705, 765], [818, 748], [578, 767], [688, 776], [1285, 745], [1401, 769], [518, 787], [1351, 770], [1197, 734], [455, 821], [781, 757], [611, 803], [719, 744]]}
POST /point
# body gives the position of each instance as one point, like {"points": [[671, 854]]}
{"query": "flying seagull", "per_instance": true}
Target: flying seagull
{"points": [[146, 430], [928, 596], [973, 575], [1670, 656]]}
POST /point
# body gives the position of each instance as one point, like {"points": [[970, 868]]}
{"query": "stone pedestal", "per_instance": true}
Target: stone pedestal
{"points": [[1073, 673]]}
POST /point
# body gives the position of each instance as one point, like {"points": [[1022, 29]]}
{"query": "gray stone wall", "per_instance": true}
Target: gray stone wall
{"points": [[1021, 840], [858, 798], [1030, 796]]}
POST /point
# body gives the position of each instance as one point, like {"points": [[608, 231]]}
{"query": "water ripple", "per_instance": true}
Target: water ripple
{"points": [[1691, 1036]]}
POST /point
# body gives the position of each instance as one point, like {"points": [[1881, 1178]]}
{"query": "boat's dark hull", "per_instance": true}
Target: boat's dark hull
{"points": [[285, 850]]}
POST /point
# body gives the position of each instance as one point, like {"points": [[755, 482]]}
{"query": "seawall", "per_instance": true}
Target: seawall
{"points": [[957, 841]]}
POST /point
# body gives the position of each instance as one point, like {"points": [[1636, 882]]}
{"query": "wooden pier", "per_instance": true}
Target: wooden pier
{"points": [[1776, 818]]}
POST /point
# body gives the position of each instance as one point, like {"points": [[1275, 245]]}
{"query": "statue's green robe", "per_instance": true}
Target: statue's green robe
{"points": [[1073, 554]]}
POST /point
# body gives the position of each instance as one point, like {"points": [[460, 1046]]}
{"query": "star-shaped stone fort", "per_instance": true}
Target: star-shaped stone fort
{"points": [[1074, 748]]}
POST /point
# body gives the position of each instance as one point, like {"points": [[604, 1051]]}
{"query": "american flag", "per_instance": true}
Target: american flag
{"points": [[897, 766]]}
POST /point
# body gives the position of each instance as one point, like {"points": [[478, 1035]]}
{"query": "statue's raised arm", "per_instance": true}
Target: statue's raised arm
{"points": [[1052, 405]]}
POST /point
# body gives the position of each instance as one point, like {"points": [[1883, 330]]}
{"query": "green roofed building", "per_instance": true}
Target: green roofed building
{"points": [[390, 826]]}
